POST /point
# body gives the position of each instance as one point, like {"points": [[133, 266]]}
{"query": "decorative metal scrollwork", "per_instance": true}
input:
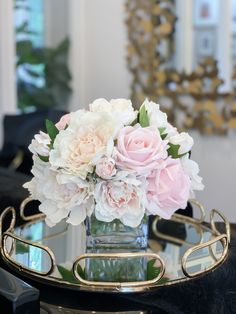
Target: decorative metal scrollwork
{"points": [[194, 97]]}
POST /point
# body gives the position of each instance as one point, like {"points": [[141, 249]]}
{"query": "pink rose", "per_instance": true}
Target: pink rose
{"points": [[64, 121], [168, 188], [105, 168], [140, 149]]}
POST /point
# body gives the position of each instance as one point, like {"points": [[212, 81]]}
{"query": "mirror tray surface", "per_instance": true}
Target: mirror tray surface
{"points": [[178, 250]]}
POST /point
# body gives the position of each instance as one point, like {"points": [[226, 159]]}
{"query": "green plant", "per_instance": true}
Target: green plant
{"points": [[46, 70]]}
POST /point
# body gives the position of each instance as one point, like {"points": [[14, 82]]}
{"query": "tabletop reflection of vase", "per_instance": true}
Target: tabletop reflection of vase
{"points": [[115, 237]]}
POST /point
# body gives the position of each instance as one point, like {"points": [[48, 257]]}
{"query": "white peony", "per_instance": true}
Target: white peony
{"points": [[120, 108], [79, 213], [88, 136], [121, 198], [184, 140], [191, 168], [59, 194], [100, 105], [40, 144]]}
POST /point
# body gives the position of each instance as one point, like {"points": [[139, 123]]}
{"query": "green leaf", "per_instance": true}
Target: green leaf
{"points": [[153, 272], [80, 271], [134, 122], [24, 47], [163, 132], [21, 248], [67, 274], [173, 151], [143, 116], [51, 130], [44, 158]]}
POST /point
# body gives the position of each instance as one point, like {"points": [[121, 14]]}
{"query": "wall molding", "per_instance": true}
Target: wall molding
{"points": [[7, 60]]}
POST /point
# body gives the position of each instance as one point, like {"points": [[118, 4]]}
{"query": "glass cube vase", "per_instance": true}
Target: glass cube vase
{"points": [[115, 237]]}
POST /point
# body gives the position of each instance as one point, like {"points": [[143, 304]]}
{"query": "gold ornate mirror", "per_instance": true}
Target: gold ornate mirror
{"points": [[200, 95]]}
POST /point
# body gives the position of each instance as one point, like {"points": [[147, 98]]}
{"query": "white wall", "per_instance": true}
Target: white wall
{"points": [[56, 18], [216, 156], [102, 51]]}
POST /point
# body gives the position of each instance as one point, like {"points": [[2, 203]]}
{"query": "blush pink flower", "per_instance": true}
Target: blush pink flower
{"points": [[64, 121], [168, 189], [105, 168], [140, 149], [120, 199]]}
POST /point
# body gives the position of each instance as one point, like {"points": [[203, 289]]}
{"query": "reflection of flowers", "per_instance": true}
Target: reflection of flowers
{"points": [[114, 162]]}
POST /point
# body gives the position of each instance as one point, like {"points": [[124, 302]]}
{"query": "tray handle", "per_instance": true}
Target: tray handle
{"points": [[23, 209], [119, 285], [224, 240], [226, 222], [20, 266], [3, 216]]}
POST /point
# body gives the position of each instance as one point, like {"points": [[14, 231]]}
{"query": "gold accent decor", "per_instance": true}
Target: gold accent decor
{"points": [[23, 208], [179, 218], [194, 97], [17, 160], [212, 237], [226, 222], [176, 218], [201, 209], [119, 285], [13, 219], [224, 240], [20, 266]]}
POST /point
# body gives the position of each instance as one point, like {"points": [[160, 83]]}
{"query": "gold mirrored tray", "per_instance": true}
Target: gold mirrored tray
{"points": [[179, 249]]}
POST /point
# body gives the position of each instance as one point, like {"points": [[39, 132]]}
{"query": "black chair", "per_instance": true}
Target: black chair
{"points": [[18, 133]]}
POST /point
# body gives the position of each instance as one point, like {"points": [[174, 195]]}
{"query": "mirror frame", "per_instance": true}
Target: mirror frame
{"points": [[192, 101]]}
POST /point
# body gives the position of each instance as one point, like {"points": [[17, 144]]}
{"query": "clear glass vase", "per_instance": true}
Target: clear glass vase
{"points": [[115, 237]]}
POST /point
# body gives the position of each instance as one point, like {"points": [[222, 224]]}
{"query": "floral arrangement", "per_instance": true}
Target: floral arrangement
{"points": [[113, 162]]}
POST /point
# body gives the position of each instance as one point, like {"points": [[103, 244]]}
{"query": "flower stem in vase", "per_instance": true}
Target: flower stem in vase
{"points": [[115, 237]]}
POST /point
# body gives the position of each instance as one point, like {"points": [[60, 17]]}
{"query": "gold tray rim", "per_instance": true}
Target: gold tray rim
{"points": [[136, 287]]}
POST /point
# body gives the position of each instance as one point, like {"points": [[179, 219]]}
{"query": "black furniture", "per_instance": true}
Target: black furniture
{"points": [[16, 296], [18, 133]]}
